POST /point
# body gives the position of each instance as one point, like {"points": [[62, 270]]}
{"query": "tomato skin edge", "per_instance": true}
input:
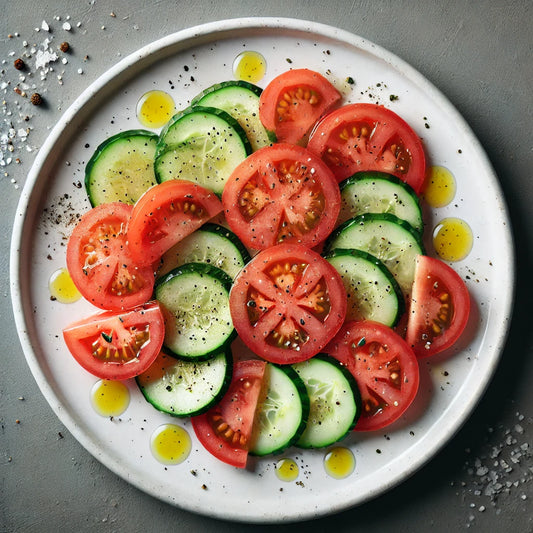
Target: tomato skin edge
{"points": [[255, 340], [205, 432], [295, 132], [321, 133], [366, 332], [260, 238], [426, 268], [147, 252], [93, 326], [90, 289]]}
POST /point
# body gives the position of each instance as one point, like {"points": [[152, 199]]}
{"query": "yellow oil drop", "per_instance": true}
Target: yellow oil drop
{"points": [[249, 66], [170, 444], [452, 239], [287, 470], [110, 398], [440, 186], [155, 109], [62, 287], [339, 462]]}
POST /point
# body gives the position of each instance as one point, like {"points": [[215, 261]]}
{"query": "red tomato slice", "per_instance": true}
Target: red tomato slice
{"points": [[165, 214], [360, 137], [115, 345], [287, 303], [384, 366], [100, 263], [439, 309], [225, 429], [281, 193], [291, 104]]}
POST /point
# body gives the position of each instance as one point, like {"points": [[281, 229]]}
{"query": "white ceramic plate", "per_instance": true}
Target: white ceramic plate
{"points": [[183, 64]]}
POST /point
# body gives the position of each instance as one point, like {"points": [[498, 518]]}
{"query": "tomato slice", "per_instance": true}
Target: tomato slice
{"points": [[359, 137], [384, 366], [281, 193], [287, 303], [117, 345], [100, 263], [165, 214], [439, 308], [292, 102], [225, 429]]}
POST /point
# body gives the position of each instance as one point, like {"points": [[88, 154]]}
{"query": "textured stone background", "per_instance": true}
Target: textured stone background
{"points": [[479, 54]]}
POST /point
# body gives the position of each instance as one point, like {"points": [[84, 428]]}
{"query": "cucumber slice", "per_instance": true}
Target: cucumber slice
{"points": [[378, 192], [334, 398], [203, 145], [121, 168], [186, 388], [391, 240], [281, 415], [194, 300], [239, 99], [373, 293], [211, 244]]}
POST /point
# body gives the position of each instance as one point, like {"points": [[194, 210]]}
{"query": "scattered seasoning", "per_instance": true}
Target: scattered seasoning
{"points": [[393, 97], [64, 46], [499, 471], [36, 99], [350, 80], [19, 64]]}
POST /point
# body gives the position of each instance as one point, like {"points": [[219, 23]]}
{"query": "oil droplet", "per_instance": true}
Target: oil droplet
{"points": [[110, 398], [62, 287], [249, 66], [452, 239], [155, 109], [170, 444], [286, 470], [339, 462], [440, 186]]}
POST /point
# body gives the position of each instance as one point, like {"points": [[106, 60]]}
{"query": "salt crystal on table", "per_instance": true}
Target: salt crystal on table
{"points": [[44, 57]]}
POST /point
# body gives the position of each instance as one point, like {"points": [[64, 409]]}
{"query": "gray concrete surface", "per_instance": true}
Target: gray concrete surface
{"points": [[480, 55]]}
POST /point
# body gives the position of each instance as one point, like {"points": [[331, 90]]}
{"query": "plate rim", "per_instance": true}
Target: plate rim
{"points": [[220, 29]]}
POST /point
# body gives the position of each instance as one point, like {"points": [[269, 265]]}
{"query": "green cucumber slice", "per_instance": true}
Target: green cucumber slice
{"points": [[194, 300], [211, 244], [202, 145], [378, 192], [334, 399], [121, 168], [186, 388], [391, 240], [239, 99], [281, 414], [373, 293]]}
